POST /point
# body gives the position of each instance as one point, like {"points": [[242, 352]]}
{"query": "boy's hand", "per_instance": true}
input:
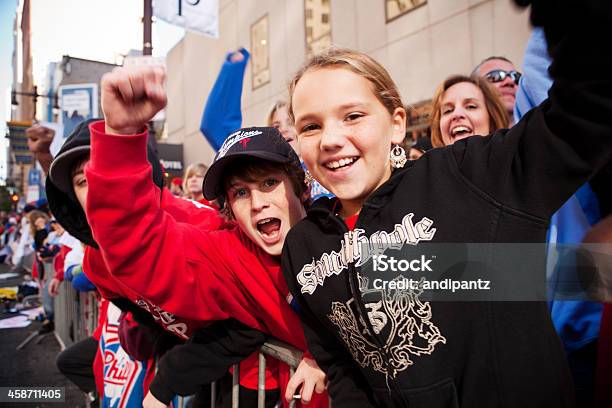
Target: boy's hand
{"points": [[131, 96], [309, 375]]}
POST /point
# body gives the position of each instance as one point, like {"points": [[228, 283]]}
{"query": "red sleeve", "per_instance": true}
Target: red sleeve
{"points": [[172, 264]]}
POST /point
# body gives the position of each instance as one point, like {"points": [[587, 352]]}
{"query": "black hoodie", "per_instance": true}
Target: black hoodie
{"points": [[497, 189]]}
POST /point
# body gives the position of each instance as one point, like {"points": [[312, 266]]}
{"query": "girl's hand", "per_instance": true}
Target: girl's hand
{"points": [[310, 377]]}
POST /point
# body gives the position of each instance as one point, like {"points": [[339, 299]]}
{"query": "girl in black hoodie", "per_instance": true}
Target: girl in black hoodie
{"points": [[387, 347]]}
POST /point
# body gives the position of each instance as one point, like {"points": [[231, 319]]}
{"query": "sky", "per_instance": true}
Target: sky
{"points": [[7, 12], [100, 30]]}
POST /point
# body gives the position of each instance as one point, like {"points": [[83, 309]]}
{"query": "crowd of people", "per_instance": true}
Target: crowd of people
{"points": [[269, 241]]}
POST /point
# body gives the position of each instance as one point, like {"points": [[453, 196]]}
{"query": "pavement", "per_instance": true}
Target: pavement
{"points": [[34, 365]]}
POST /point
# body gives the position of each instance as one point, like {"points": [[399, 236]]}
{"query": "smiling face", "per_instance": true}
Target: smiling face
{"points": [[282, 122], [345, 133], [265, 208], [463, 113]]}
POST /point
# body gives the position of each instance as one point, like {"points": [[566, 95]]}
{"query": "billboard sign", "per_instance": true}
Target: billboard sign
{"points": [[77, 103]]}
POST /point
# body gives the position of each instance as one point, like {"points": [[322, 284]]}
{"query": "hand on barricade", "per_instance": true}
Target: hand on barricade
{"points": [[151, 402], [54, 286], [310, 377], [131, 96]]}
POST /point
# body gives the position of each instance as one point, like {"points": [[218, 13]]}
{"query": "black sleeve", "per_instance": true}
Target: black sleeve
{"points": [[540, 162], [346, 384], [207, 356]]}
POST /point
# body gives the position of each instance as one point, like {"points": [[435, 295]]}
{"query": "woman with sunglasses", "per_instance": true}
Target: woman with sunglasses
{"points": [[502, 74]]}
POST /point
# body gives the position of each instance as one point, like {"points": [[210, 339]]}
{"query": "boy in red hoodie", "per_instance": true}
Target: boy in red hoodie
{"points": [[224, 343], [182, 273]]}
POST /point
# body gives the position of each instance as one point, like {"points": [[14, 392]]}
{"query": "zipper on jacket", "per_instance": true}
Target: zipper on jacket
{"points": [[356, 293]]}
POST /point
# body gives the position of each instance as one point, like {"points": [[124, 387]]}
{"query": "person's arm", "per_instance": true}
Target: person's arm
{"points": [[39, 143], [210, 352], [222, 114], [540, 162], [346, 385], [176, 266], [145, 248], [535, 81]]}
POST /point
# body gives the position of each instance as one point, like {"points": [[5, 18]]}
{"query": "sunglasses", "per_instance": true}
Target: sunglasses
{"points": [[499, 75]]}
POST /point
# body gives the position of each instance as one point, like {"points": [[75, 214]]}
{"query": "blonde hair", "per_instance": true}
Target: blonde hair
{"points": [[498, 116], [359, 63], [278, 105], [194, 168]]}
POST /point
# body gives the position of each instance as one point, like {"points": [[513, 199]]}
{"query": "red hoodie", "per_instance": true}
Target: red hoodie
{"points": [[183, 270]]}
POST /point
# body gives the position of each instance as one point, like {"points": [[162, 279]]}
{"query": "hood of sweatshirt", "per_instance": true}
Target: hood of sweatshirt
{"points": [[62, 200]]}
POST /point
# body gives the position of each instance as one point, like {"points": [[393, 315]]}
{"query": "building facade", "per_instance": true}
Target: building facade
{"points": [[23, 107], [420, 42]]}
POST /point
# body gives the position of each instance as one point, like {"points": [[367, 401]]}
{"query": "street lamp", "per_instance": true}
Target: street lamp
{"points": [[34, 95]]}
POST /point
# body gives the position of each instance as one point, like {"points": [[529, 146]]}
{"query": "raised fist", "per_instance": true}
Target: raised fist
{"points": [[39, 138], [131, 96]]}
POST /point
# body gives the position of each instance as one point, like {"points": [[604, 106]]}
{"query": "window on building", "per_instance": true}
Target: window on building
{"points": [[260, 61], [317, 25], [396, 8]]}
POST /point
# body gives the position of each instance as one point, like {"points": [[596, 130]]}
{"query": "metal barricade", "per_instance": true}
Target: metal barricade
{"points": [[76, 315], [273, 348]]}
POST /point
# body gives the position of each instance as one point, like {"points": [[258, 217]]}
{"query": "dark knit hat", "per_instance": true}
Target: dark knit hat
{"points": [[261, 142], [62, 199]]}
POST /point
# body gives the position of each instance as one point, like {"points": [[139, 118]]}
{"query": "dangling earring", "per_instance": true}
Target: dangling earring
{"points": [[397, 156], [308, 179]]}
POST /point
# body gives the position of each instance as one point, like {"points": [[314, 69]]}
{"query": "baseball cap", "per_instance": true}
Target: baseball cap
{"points": [[265, 143]]}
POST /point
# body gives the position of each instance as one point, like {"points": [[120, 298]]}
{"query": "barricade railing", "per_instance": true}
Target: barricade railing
{"points": [[76, 315], [273, 348]]}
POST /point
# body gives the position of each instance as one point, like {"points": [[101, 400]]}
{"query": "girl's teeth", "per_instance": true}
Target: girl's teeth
{"points": [[340, 163]]}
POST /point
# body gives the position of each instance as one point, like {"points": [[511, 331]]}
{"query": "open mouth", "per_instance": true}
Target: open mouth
{"points": [[269, 228], [461, 131], [342, 163]]}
